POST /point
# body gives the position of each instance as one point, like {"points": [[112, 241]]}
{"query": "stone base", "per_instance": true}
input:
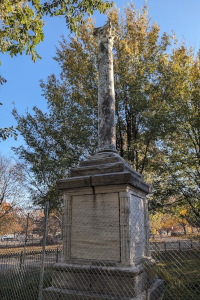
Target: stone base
{"points": [[155, 292], [79, 282]]}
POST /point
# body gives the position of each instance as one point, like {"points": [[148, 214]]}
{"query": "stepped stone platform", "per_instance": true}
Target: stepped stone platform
{"points": [[110, 164], [105, 234], [103, 283]]}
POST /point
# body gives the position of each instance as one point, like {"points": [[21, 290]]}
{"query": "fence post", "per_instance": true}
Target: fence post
{"points": [[23, 255], [21, 269], [57, 255], [43, 251], [179, 244], [26, 234], [21, 260]]}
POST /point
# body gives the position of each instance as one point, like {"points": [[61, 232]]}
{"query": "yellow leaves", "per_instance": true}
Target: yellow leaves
{"points": [[127, 48], [168, 221], [5, 206], [183, 212], [113, 16]]}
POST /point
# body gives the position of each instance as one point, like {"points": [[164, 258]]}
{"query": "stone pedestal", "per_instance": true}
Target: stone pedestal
{"points": [[97, 282], [106, 251]]}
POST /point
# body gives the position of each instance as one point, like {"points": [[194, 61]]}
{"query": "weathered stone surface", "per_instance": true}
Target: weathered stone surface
{"points": [[62, 294], [110, 179], [104, 158], [104, 179], [104, 168], [106, 94], [99, 279], [97, 169], [70, 183], [95, 231], [99, 161], [132, 271], [105, 225], [100, 282], [156, 290], [156, 293]]}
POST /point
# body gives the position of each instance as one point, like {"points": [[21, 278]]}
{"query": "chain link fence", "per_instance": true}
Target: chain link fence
{"points": [[34, 269], [178, 263], [20, 273]]}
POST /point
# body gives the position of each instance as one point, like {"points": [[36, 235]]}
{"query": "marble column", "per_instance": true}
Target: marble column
{"points": [[106, 93]]}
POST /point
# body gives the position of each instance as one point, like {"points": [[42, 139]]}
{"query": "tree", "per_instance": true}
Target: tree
{"points": [[12, 194], [168, 221], [7, 132], [12, 219], [56, 140], [11, 181], [179, 176], [139, 57], [22, 21], [53, 227]]}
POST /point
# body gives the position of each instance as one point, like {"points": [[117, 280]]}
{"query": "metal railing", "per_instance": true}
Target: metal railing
{"points": [[180, 245]]}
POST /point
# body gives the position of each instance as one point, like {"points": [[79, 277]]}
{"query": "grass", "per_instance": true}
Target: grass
{"points": [[181, 272], [21, 286], [28, 249], [179, 269]]}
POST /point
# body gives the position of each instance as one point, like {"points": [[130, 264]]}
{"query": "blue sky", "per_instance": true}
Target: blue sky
{"points": [[23, 75]]}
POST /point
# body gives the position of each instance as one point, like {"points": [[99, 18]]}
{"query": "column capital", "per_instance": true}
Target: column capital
{"points": [[104, 34]]}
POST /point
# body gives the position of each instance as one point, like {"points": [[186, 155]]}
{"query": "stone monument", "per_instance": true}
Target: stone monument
{"points": [[106, 251]]}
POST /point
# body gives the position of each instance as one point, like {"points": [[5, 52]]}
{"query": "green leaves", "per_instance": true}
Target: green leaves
{"points": [[8, 132], [178, 182], [22, 21], [21, 28], [55, 141]]}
